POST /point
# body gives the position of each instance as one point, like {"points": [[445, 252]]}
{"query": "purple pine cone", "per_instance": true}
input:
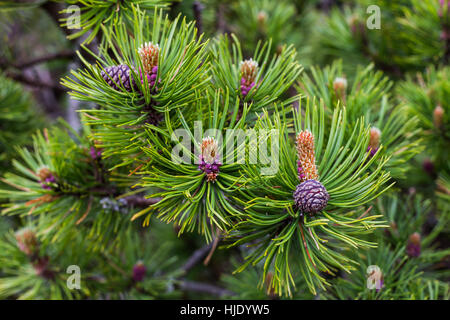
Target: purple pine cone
{"points": [[95, 153], [413, 250], [372, 151], [413, 245], [246, 88], [117, 75], [46, 186], [300, 172], [139, 271], [311, 196]]}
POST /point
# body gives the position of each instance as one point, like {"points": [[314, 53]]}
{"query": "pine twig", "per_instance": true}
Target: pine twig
{"points": [[35, 83], [198, 7], [141, 202], [46, 58], [196, 257], [205, 288]]}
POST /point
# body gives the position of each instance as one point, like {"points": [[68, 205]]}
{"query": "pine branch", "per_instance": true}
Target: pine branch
{"points": [[205, 288], [196, 257], [198, 8], [49, 57], [137, 201], [35, 83]]}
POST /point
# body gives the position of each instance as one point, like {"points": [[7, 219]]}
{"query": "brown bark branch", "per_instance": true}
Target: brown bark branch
{"points": [[46, 58], [34, 82], [205, 288], [138, 201]]}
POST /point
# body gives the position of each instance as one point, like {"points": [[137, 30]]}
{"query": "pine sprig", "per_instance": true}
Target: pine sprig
{"points": [[64, 184], [125, 112], [195, 191], [272, 76], [97, 13], [280, 231], [368, 94]]}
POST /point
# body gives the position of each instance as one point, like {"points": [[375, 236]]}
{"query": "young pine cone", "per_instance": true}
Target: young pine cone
{"points": [[119, 75], [311, 196]]}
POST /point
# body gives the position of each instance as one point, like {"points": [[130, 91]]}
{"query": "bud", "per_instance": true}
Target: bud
{"points": [[46, 178], [95, 153], [209, 162], [44, 173], [413, 246], [139, 271], [438, 115], [209, 150], [262, 18], [374, 141], [307, 161], [428, 167], [249, 70], [340, 84], [311, 197], [357, 26], [149, 54], [41, 267], [27, 241]]}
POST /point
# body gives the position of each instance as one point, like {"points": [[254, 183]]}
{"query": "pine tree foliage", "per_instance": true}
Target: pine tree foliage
{"points": [[181, 72], [273, 74], [17, 119], [334, 170], [282, 232], [97, 13], [407, 269], [431, 35], [65, 184], [410, 37], [34, 270], [265, 19], [428, 98], [194, 198], [368, 94]]}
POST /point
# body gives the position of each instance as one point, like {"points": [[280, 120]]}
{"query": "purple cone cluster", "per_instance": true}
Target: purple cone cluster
{"points": [[245, 87], [311, 196], [372, 151], [46, 178], [152, 76], [413, 246], [95, 153], [46, 184], [139, 271], [210, 169], [300, 171]]}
